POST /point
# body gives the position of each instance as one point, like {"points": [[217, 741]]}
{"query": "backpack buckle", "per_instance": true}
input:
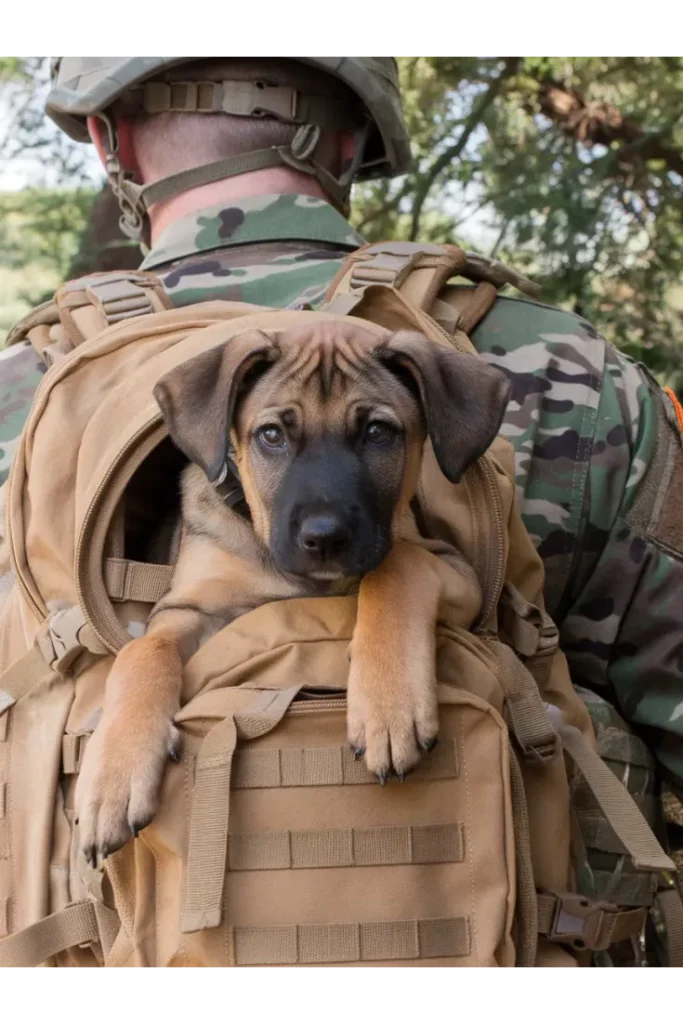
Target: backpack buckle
{"points": [[119, 298], [389, 263], [588, 924], [65, 637]]}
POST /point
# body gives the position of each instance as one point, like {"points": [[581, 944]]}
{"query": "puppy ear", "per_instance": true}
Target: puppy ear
{"points": [[462, 397], [197, 398]]}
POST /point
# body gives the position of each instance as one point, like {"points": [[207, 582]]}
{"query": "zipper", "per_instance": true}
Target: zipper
{"points": [[19, 576], [493, 546], [143, 449], [50, 378], [306, 705]]}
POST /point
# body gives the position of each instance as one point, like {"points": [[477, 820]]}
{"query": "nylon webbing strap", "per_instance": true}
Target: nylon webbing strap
{"points": [[352, 943], [21, 677], [671, 909], [78, 925], [614, 799], [584, 923], [210, 817], [417, 270], [479, 303], [532, 633], [527, 912], [229, 167], [126, 580], [597, 834], [346, 847], [527, 712], [87, 305], [327, 766], [243, 99], [209, 822]]}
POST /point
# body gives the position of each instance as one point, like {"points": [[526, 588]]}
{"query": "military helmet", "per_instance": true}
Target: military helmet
{"points": [[84, 86]]}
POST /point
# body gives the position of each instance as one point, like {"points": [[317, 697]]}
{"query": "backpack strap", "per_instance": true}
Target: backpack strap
{"points": [[585, 923], [207, 854], [80, 924], [85, 306], [668, 902], [419, 272]]}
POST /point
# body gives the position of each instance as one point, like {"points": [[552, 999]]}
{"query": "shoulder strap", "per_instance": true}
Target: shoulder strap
{"points": [[80, 924], [419, 271], [85, 306]]}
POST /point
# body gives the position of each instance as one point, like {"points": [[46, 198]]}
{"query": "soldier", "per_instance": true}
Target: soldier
{"points": [[236, 173]]}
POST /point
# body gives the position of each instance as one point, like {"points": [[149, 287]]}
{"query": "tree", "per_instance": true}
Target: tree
{"points": [[570, 169]]}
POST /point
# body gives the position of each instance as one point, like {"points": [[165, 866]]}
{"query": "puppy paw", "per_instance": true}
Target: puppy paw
{"points": [[118, 788], [391, 721]]}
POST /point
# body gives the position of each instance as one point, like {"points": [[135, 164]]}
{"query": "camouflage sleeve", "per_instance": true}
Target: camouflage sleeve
{"points": [[20, 373], [599, 464], [623, 625]]}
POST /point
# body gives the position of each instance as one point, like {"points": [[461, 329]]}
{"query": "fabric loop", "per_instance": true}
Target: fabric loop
{"points": [[207, 856], [80, 924], [614, 799]]}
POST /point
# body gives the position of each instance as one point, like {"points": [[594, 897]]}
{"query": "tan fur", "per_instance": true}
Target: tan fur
{"points": [[224, 569]]}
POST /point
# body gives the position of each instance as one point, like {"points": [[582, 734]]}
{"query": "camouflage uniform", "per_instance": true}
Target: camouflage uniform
{"points": [[584, 421]]}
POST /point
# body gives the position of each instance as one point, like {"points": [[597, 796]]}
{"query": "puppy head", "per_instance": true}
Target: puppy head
{"points": [[326, 424]]}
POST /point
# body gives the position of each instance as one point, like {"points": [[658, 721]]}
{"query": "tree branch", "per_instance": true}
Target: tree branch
{"points": [[454, 151], [500, 239], [601, 123]]}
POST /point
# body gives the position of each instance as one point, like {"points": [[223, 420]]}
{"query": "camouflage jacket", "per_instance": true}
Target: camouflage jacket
{"points": [[595, 440]]}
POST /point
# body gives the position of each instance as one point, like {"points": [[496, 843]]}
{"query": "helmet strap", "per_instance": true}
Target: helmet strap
{"points": [[135, 200], [133, 221]]}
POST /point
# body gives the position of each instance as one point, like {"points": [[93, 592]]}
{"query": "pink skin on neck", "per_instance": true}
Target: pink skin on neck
{"points": [[271, 181]]}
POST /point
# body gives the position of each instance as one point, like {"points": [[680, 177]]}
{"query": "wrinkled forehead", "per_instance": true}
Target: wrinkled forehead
{"points": [[326, 365], [331, 335]]}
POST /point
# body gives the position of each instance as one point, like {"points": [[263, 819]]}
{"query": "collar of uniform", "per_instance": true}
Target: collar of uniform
{"points": [[271, 218]]}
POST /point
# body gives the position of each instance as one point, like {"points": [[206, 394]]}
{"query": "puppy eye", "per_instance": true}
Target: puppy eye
{"points": [[378, 432], [271, 436]]}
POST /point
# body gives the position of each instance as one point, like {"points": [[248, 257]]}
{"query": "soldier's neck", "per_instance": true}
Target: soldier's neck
{"points": [[272, 181]]}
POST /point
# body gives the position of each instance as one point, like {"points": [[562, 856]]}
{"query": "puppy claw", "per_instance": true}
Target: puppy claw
{"points": [[382, 777], [119, 793], [358, 753], [428, 745]]}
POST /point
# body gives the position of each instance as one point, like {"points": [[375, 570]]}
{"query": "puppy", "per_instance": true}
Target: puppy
{"points": [[325, 426]]}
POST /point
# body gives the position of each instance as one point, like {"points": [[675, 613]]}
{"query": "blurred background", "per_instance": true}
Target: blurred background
{"points": [[569, 169]]}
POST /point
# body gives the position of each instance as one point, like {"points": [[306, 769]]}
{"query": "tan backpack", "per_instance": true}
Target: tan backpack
{"points": [[272, 845]]}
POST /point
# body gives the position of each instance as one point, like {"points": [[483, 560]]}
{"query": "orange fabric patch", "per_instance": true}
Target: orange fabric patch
{"points": [[678, 408]]}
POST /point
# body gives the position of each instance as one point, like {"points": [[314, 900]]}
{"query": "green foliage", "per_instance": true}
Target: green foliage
{"points": [[41, 225], [570, 169], [40, 235]]}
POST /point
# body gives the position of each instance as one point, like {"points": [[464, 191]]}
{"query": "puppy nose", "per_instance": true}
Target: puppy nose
{"points": [[323, 536]]}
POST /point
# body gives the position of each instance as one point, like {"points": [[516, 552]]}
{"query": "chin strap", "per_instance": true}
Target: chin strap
{"points": [[242, 99]]}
